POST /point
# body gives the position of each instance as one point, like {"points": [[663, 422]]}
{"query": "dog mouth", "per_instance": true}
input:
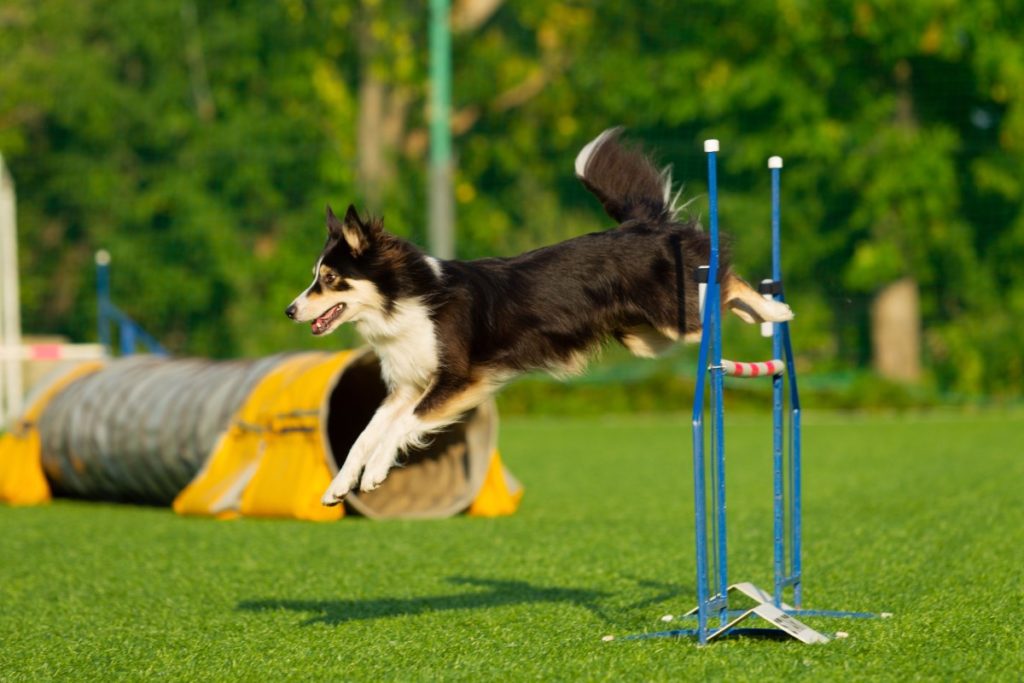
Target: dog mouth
{"points": [[324, 322]]}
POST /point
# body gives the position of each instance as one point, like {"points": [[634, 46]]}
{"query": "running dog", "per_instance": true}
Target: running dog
{"points": [[450, 333]]}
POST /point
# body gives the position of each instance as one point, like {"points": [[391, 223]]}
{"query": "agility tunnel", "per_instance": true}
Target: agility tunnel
{"points": [[255, 438]]}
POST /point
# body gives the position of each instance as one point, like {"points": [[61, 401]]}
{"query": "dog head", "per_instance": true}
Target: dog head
{"points": [[344, 288]]}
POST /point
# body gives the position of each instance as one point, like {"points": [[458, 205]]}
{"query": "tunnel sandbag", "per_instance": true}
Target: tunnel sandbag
{"points": [[294, 431], [272, 460], [259, 437], [22, 481]]}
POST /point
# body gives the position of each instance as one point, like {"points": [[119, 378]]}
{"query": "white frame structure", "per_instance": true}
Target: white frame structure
{"points": [[11, 387]]}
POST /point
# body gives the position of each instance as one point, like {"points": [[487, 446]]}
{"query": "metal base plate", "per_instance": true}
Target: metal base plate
{"points": [[784, 619]]}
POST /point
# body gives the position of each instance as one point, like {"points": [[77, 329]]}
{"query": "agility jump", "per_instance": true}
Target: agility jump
{"points": [[713, 614]]}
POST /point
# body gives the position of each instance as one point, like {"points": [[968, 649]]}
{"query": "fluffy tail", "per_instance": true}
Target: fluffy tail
{"points": [[625, 180]]}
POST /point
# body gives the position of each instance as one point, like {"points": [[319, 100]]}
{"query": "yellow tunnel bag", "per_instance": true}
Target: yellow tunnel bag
{"points": [[22, 481]]}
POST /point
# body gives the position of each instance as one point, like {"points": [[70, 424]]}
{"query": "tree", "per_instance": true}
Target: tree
{"points": [[199, 143]]}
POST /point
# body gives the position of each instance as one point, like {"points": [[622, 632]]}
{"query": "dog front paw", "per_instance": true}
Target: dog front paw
{"points": [[331, 498], [374, 476], [339, 488]]}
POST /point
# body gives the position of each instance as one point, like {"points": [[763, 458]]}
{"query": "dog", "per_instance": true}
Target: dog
{"points": [[450, 333]]}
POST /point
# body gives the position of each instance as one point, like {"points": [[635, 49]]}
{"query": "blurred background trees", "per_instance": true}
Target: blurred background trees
{"points": [[199, 142]]}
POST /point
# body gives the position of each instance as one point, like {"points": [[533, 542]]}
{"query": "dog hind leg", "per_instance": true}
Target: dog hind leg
{"points": [[751, 307], [644, 341]]}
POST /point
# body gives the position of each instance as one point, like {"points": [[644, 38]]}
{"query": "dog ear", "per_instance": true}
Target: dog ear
{"points": [[357, 234], [334, 225]]}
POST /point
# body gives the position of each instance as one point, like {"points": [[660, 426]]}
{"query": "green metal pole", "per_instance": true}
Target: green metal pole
{"points": [[442, 208]]}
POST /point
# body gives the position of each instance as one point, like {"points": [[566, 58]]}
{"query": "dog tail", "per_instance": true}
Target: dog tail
{"points": [[625, 180]]}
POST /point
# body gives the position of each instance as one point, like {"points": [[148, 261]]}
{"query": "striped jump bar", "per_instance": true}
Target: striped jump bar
{"points": [[766, 368], [38, 352]]}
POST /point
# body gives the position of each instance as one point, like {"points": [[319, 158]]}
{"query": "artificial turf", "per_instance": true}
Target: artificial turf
{"points": [[921, 516]]}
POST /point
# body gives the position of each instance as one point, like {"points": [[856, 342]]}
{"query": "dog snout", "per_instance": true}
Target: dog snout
{"points": [[290, 311]]}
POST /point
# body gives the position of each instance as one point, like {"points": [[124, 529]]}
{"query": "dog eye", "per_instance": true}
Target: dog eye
{"points": [[329, 278]]}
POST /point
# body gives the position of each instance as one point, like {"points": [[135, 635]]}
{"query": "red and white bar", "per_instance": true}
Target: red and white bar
{"points": [[36, 352], [766, 368]]}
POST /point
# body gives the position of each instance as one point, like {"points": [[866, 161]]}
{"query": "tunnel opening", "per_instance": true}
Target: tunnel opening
{"points": [[438, 480]]}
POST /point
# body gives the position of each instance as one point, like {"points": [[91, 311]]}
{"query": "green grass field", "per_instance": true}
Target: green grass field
{"points": [[922, 516]]}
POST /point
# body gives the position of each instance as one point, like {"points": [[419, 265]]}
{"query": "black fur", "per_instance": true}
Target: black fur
{"points": [[537, 310]]}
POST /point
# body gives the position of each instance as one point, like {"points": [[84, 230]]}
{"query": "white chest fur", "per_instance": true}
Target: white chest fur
{"points": [[405, 343]]}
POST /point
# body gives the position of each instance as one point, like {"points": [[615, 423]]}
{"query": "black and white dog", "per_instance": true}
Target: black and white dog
{"points": [[451, 333]]}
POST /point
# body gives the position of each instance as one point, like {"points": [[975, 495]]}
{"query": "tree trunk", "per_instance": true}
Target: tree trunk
{"points": [[374, 165], [896, 331], [381, 122]]}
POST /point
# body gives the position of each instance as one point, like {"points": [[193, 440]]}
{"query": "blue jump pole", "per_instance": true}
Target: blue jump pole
{"points": [[712, 583], [714, 309], [129, 332], [700, 498], [787, 506], [779, 466]]}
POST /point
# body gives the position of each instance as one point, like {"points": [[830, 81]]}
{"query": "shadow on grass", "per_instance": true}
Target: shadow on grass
{"points": [[497, 593], [668, 591]]}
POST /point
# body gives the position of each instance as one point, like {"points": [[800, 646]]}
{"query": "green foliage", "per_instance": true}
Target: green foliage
{"points": [[199, 142]]}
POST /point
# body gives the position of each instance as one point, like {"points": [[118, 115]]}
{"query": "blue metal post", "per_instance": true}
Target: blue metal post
{"points": [[126, 334], [795, 486], [700, 490], [713, 307], [786, 467], [103, 297], [700, 499], [794, 464], [706, 602], [778, 418], [712, 586]]}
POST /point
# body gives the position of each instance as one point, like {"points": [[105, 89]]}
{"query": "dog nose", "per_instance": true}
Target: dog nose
{"points": [[290, 311]]}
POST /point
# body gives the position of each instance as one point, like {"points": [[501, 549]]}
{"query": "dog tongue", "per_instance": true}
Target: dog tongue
{"points": [[321, 323]]}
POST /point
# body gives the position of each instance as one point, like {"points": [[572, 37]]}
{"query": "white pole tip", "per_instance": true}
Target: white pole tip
{"points": [[774, 162], [711, 145], [102, 257]]}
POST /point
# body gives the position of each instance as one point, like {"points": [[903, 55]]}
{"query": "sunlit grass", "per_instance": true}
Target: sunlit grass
{"points": [[920, 516]]}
